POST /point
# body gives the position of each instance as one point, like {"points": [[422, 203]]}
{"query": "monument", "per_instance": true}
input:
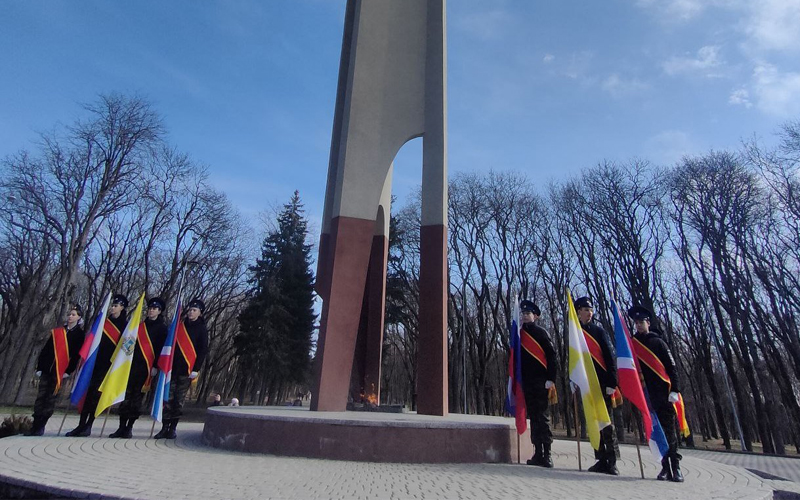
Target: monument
{"points": [[392, 88]]}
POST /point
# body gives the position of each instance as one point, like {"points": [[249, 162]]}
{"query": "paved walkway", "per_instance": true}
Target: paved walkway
{"points": [[185, 468]]}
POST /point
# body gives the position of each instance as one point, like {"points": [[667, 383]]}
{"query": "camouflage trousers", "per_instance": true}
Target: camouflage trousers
{"points": [[45, 399], [178, 387]]}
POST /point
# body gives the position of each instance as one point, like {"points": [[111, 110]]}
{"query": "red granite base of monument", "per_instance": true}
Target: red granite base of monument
{"points": [[365, 436]]}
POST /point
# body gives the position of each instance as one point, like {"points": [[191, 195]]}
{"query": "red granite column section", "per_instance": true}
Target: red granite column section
{"points": [[376, 309], [432, 396], [348, 252]]}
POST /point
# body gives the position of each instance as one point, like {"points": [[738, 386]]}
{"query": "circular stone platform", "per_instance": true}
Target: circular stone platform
{"points": [[365, 435], [142, 468]]}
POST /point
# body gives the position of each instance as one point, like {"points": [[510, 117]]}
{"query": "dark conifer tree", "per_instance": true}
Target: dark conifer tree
{"points": [[274, 345]]}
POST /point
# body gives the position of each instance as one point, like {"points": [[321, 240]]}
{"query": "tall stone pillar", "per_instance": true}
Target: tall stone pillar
{"points": [[392, 88]]}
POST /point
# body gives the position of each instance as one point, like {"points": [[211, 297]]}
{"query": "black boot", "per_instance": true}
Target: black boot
{"points": [[37, 428], [172, 434], [536, 459], [611, 464], [546, 461], [599, 466], [80, 431], [675, 466], [123, 427], [165, 425], [129, 428], [666, 473]]}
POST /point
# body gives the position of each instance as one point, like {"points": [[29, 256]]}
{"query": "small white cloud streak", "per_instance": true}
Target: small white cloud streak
{"points": [[740, 97], [621, 87], [706, 63]]}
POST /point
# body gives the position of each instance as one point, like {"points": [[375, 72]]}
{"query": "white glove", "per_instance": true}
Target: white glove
{"points": [[38, 373], [548, 384], [610, 390], [673, 397], [573, 386], [153, 371], [192, 375], [65, 376]]}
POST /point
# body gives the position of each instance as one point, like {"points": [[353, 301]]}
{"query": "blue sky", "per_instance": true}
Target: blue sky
{"points": [[247, 87]]}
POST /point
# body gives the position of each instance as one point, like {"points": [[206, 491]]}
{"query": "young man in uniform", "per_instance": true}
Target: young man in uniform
{"points": [[150, 340], [191, 344], [605, 365], [661, 380], [57, 360], [116, 322], [539, 366]]}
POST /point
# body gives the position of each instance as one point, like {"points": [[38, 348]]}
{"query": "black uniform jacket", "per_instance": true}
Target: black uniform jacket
{"points": [[607, 376], [656, 387], [532, 369], [199, 334], [47, 358], [157, 330]]}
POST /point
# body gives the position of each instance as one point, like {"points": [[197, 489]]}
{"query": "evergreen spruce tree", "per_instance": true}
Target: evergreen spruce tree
{"points": [[274, 343]]}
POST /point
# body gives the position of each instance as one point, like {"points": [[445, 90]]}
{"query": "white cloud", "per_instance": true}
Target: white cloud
{"points": [[740, 97], [706, 63], [776, 93], [669, 146], [774, 24], [620, 87], [548, 58]]}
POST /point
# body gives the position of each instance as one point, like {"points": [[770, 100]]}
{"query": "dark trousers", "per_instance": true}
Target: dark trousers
{"points": [[92, 397], [45, 399], [609, 447], [178, 387], [537, 405], [131, 407], [669, 422]]}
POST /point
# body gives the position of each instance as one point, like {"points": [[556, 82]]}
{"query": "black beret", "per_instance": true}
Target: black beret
{"points": [[76, 308], [198, 304], [157, 302], [120, 299], [529, 306], [639, 313], [584, 302]]}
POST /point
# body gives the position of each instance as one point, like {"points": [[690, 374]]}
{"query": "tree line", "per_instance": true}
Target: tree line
{"points": [[710, 244]]}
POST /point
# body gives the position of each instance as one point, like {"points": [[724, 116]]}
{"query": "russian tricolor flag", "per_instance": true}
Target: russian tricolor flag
{"points": [[515, 398], [88, 354], [164, 363], [631, 386]]}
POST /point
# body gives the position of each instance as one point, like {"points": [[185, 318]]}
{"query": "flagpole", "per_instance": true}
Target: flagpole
{"points": [[519, 452], [64, 418], [69, 405], [103, 429], [639, 454], [577, 428]]}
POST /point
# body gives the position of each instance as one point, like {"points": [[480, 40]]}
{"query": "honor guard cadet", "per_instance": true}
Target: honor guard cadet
{"points": [[605, 365], [57, 361], [661, 380], [539, 367], [115, 324], [191, 344], [150, 339]]}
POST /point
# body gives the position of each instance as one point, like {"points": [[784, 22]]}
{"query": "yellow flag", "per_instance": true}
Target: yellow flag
{"points": [[112, 390], [582, 374]]}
